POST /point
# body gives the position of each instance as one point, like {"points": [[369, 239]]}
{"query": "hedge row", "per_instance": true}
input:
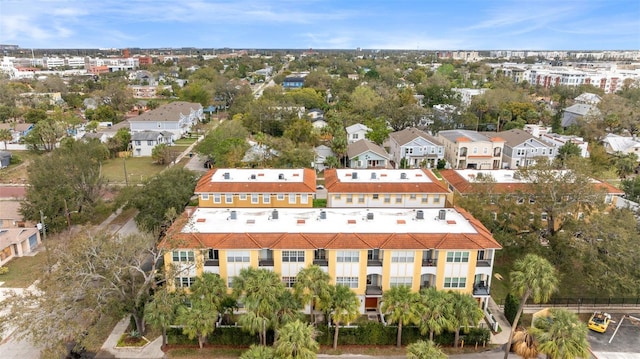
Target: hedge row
{"points": [[371, 333]]}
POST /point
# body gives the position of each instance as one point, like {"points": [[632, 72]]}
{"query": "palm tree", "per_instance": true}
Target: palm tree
{"points": [[288, 309], [424, 350], [258, 352], [525, 344], [435, 311], [312, 285], [562, 335], [400, 305], [5, 136], [533, 276], [198, 321], [344, 306], [259, 290], [162, 311], [296, 340], [211, 288], [466, 313]]}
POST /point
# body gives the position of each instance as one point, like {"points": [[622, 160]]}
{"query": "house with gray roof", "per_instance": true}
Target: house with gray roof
{"points": [[356, 132], [416, 147], [143, 142], [175, 117], [366, 154], [469, 149], [621, 144], [572, 114], [523, 149]]}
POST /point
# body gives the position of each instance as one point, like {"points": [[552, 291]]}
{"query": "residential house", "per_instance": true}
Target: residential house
{"points": [[100, 136], [621, 144], [523, 149], [143, 142], [5, 159], [17, 242], [356, 132], [366, 154], [370, 250], [18, 130], [293, 82], [316, 116], [322, 152], [416, 148], [579, 111], [176, 117], [369, 188], [558, 141], [588, 98], [470, 149], [260, 188]]}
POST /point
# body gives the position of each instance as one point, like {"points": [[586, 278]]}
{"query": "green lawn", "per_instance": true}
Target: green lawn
{"points": [[185, 141], [23, 271], [139, 169]]}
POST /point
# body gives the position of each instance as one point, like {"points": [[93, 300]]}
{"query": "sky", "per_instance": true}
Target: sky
{"points": [[324, 24]]}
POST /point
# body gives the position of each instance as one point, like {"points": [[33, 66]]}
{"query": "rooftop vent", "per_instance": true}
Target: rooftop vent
{"points": [[281, 176], [373, 175], [354, 175], [253, 176], [401, 221], [251, 221], [274, 214], [442, 214], [323, 214], [233, 215], [226, 175], [369, 216], [351, 221], [419, 214], [300, 221], [403, 175]]}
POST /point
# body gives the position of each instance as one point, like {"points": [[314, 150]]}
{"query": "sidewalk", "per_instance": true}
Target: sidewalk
{"points": [[502, 337], [109, 350]]}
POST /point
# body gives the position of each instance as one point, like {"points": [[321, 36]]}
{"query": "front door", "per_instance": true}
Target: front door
{"points": [[371, 303]]}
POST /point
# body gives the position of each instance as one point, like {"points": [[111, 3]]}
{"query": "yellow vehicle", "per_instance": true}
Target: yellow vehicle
{"points": [[599, 322]]}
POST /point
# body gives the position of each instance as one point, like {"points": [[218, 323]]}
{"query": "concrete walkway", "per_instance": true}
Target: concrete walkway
{"points": [[109, 349], [502, 337]]}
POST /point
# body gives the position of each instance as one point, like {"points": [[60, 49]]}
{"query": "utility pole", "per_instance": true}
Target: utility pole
{"points": [[44, 240]]}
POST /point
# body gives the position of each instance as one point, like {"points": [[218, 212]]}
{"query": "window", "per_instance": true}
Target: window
{"points": [[544, 216], [243, 196], [455, 282], [138, 143], [351, 282], [425, 198], [398, 198], [185, 282], [485, 150], [228, 198], [230, 281], [349, 198], [361, 198], [412, 196], [433, 150], [304, 198], [408, 151], [238, 256], [520, 152], [348, 256], [337, 197], [387, 198], [289, 282], [217, 198], [354, 136], [532, 200], [183, 256], [293, 256], [436, 198], [254, 198], [204, 196], [375, 196], [402, 257], [520, 200], [475, 150], [292, 198], [149, 143], [398, 281], [266, 198], [280, 197], [457, 257]]}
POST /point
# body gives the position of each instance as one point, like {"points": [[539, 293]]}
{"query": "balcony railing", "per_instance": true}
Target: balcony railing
{"points": [[212, 262], [429, 262], [323, 262], [426, 285], [484, 262], [480, 289], [374, 262], [373, 290], [265, 262]]}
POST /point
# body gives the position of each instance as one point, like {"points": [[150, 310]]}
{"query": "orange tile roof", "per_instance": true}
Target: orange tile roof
{"points": [[334, 185], [308, 185]]}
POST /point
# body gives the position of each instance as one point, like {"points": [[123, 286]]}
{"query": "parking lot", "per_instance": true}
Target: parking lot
{"points": [[625, 343]]}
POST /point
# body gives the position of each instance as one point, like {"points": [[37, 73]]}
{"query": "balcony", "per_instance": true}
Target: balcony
{"points": [[265, 262], [373, 290], [322, 262], [429, 262], [374, 262], [484, 262], [480, 289], [212, 262]]}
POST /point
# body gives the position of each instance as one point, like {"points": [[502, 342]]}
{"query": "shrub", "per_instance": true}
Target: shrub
{"points": [[4, 270], [511, 304]]}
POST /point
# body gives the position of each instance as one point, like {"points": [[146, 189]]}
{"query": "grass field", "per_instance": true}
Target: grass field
{"points": [[17, 170], [139, 169], [23, 271]]}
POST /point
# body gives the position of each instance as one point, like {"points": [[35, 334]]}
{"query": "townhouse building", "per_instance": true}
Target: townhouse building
{"points": [[380, 188], [558, 141], [414, 148], [175, 117], [256, 188], [470, 149], [523, 149], [143, 142]]}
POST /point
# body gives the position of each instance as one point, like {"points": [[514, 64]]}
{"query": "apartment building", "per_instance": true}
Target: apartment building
{"points": [[369, 250], [379, 188], [470, 149], [256, 188]]}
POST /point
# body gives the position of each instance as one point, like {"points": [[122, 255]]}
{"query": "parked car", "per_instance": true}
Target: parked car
{"points": [[599, 322]]}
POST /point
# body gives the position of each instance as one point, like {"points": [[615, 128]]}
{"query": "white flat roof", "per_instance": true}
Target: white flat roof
{"points": [[499, 176], [383, 175], [337, 220], [258, 175]]}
